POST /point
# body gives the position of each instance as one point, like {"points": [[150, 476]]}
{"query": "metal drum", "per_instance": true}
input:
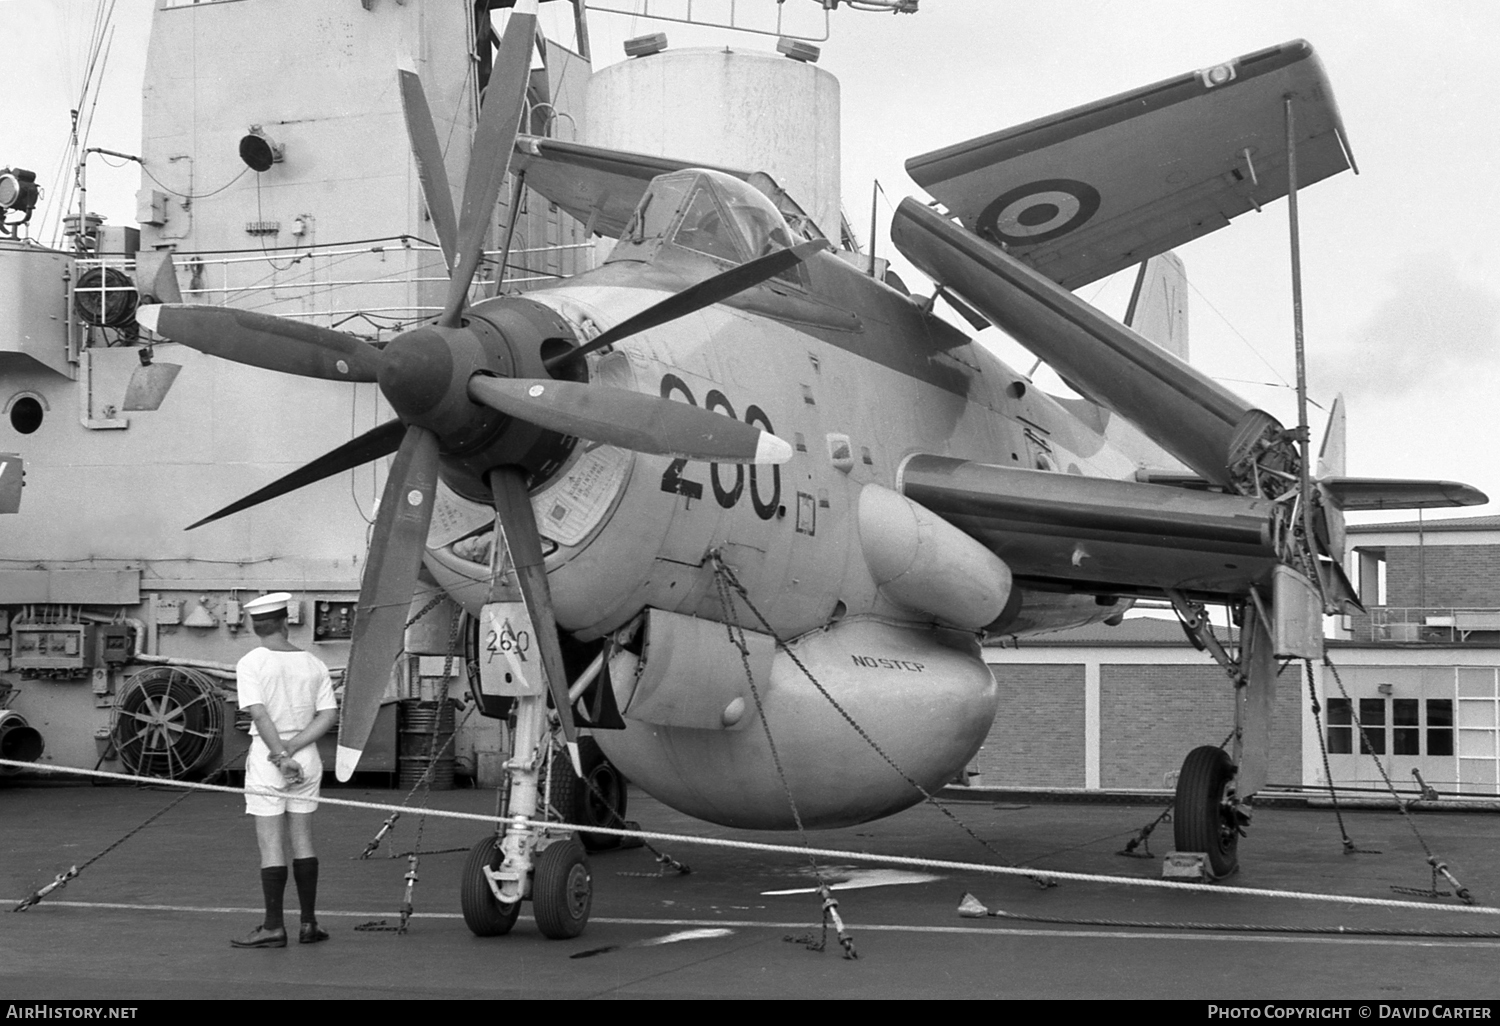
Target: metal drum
{"points": [[426, 731], [19, 741]]}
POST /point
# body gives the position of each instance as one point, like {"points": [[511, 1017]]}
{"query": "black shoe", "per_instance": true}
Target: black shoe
{"points": [[311, 933], [260, 937]]}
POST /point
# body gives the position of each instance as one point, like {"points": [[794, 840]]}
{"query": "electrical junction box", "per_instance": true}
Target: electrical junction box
{"points": [[65, 649], [116, 641], [166, 611]]}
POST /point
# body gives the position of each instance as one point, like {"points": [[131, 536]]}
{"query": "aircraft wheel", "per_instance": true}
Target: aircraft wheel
{"points": [[566, 789], [562, 890], [603, 804], [484, 916], [1204, 817]]}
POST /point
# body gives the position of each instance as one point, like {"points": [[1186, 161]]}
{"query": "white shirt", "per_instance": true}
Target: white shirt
{"points": [[293, 686]]}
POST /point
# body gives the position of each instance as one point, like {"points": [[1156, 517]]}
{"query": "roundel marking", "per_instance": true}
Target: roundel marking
{"points": [[1039, 211]]}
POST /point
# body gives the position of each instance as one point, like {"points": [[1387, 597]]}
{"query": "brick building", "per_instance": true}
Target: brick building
{"points": [[1425, 658], [1119, 707], [1116, 707]]}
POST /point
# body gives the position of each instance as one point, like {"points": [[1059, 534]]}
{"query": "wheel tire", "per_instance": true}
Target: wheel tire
{"points": [[565, 787], [484, 916], [562, 890], [604, 803], [1202, 820]]}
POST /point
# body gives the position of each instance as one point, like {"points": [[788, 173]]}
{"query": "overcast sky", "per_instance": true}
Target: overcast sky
{"points": [[1401, 263]]}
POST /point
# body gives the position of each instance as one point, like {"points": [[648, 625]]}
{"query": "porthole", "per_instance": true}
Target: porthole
{"points": [[26, 414]]}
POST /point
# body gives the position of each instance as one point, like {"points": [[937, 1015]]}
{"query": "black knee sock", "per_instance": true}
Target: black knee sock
{"points": [[273, 884], [305, 872]]}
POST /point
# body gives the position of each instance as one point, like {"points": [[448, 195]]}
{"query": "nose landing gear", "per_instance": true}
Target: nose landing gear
{"points": [[524, 860]]}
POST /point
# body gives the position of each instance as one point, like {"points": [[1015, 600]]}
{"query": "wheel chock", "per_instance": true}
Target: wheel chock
{"points": [[1186, 865]]}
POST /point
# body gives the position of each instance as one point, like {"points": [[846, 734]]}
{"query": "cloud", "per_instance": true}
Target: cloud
{"points": [[1436, 329]]}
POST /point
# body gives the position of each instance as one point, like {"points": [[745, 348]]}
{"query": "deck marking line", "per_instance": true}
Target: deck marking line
{"points": [[1002, 931]]}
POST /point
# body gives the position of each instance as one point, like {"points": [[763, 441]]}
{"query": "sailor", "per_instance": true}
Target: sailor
{"points": [[289, 697]]}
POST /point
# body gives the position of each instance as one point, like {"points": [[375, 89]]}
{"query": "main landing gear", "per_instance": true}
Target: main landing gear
{"points": [[1215, 787], [1207, 817]]}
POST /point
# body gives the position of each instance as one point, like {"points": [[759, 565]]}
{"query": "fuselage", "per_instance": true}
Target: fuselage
{"points": [[857, 376]]}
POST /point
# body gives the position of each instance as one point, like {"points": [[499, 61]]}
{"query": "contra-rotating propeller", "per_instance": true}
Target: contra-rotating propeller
{"points": [[446, 387]]}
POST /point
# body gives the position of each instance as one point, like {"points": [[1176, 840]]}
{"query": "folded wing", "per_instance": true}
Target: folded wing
{"points": [[1081, 194]]}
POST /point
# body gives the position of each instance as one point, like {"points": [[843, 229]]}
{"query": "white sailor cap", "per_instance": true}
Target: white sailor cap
{"points": [[266, 605]]}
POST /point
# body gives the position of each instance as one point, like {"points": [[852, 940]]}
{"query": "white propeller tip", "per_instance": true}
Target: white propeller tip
{"points": [[147, 316], [770, 449], [348, 760]]}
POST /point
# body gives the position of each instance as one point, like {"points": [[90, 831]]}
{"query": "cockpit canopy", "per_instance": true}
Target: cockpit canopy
{"points": [[711, 213]]}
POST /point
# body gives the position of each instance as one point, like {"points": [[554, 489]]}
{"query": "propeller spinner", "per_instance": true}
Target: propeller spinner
{"points": [[447, 381]]}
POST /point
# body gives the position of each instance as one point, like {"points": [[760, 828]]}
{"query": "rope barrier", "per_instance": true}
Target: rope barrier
{"points": [[832, 853], [61, 880], [971, 911]]}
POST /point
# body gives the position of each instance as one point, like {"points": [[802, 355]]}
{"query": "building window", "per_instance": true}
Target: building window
{"points": [[1372, 722], [1406, 733], [1440, 726], [1340, 731]]}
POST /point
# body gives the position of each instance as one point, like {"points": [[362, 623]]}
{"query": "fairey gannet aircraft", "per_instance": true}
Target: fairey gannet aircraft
{"points": [[807, 499]]}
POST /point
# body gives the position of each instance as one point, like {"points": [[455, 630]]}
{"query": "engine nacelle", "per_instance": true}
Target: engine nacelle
{"points": [[924, 695]]}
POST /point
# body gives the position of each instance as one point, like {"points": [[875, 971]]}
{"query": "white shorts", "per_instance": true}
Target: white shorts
{"points": [[262, 775]]}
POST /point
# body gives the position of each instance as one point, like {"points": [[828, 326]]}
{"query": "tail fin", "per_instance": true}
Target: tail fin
{"points": [[1158, 311], [1158, 306], [1331, 456]]}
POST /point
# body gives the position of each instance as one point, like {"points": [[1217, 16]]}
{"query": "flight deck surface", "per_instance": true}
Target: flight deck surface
{"points": [[153, 917]]}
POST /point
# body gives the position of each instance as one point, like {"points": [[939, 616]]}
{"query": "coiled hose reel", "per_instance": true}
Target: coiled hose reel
{"points": [[168, 722]]}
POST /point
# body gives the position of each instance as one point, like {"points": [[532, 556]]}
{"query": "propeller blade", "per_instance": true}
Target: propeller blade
{"points": [[706, 293], [518, 522], [259, 340], [489, 158], [630, 420], [385, 591], [373, 444], [431, 171]]}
